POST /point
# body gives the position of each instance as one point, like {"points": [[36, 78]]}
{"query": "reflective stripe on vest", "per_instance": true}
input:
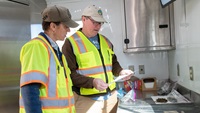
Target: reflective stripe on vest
{"points": [[51, 99], [47, 103], [41, 77], [82, 49], [93, 67], [95, 70], [81, 45]]}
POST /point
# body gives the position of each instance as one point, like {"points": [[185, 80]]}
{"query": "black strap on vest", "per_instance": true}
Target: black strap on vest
{"points": [[57, 52]]}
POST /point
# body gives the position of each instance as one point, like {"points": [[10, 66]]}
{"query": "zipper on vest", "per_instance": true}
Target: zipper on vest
{"points": [[106, 76]]}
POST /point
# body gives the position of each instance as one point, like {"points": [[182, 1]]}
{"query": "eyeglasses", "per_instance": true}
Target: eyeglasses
{"points": [[94, 22]]}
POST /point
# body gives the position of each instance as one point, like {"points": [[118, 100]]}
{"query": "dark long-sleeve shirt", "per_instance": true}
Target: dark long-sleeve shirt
{"points": [[31, 98]]}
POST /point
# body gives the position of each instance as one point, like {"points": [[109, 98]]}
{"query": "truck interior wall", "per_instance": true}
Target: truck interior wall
{"points": [[155, 63], [16, 19], [162, 65], [15, 22]]}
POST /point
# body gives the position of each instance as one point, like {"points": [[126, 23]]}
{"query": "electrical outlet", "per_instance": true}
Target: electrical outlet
{"points": [[131, 67], [178, 70], [141, 69], [191, 73]]}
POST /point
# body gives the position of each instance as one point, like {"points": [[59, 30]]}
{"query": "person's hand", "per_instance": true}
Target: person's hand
{"points": [[126, 72], [99, 84]]}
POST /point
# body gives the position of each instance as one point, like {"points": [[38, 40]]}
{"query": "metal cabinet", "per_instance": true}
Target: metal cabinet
{"points": [[148, 26]]}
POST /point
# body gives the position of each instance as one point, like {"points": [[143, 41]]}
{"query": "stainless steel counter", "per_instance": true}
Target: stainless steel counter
{"points": [[144, 104]]}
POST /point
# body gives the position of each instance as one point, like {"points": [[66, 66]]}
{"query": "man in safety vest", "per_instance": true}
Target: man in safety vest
{"points": [[45, 84], [93, 63]]}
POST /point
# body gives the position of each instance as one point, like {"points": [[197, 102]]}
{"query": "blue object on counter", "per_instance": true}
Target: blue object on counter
{"points": [[120, 93]]}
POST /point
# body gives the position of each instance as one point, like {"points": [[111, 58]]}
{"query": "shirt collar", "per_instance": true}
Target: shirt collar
{"points": [[53, 44]]}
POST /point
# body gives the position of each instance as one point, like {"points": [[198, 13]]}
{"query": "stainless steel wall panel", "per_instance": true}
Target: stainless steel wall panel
{"points": [[148, 26], [15, 21], [14, 32]]}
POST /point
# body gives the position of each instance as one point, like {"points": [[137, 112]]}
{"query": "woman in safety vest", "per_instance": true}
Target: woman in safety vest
{"points": [[45, 84], [93, 63]]}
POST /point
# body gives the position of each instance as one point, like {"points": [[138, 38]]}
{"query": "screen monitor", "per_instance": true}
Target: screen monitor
{"points": [[165, 3]]}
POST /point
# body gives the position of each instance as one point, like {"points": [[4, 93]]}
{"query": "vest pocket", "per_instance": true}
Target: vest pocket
{"points": [[110, 54], [86, 59]]}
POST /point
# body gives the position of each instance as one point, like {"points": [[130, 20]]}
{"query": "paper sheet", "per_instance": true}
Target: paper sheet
{"points": [[174, 94]]}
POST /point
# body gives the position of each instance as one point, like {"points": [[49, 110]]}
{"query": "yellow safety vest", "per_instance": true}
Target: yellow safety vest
{"points": [[41, 65], [90, 62]]}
